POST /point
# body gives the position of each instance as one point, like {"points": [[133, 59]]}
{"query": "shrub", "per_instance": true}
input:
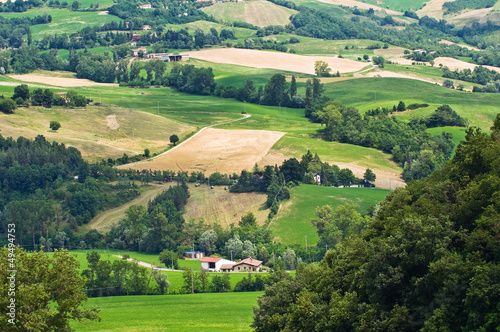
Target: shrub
{"points": [[54, 125]]}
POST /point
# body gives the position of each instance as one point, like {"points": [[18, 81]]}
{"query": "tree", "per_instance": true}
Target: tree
{"points": [[48, 292], [321, 68], [169, 258], [75, 5], [234, 246], [290, 259], [220, 284], [7, 105], [174, 139], [401, 107], [248, 220], [21, 91], [208, 242], [54, 125], [293, 87], [448, 84], [369, 176]]}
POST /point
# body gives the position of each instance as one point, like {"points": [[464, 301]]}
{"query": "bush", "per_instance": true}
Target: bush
{"points": [[54, 125], [7, 106]]}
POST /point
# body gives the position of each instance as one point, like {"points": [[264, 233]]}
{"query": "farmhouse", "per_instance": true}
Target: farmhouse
{"points": [[146, 27], [248, 264], [137, 50], [146, 6], [214, 264]]}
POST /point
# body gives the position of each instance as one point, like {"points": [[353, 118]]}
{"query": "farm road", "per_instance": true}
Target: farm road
{"points": [[150, 266]]}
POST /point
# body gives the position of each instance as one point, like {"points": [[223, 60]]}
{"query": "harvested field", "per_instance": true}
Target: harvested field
{"points": [[59, 81], [215, 150], [259, 13], [379, 73], [219, 206], [361, 5], [275, 60], [477, 15], [103, 221], [98, 132], [460, 65], [433, 8]]}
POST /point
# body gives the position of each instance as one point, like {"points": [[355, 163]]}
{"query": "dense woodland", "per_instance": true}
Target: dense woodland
{"points": [[428, 261]]}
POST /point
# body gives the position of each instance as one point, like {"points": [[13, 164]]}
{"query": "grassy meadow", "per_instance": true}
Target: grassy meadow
{"points": [[189, 312], [293, 220]]}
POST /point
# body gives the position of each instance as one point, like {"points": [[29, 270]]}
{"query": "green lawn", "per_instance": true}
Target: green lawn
{"points": [[399, 5], [293, 221], [190, 312]]}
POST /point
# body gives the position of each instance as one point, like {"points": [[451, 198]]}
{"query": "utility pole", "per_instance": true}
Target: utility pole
{"points": [[231, 255], [326, 247], [192, 281]]}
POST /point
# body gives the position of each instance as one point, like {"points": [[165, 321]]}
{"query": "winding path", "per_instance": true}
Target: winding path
{"points": [[150, 266]]}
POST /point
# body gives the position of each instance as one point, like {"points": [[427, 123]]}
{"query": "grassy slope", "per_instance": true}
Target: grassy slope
{"points": [[63, 21], [479, 108], [260, 13], [294, 218], [399, 5], [191, 312]]}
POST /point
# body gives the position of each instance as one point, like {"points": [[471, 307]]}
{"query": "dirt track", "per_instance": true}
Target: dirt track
{"points": [[275, 60], [59, 81]]}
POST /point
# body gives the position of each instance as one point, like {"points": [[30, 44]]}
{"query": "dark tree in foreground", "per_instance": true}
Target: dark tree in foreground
{"points": [[174, 139], [369, 176]]}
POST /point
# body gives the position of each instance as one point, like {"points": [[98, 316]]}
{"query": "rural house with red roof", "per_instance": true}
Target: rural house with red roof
{"points": [[214, 264]]}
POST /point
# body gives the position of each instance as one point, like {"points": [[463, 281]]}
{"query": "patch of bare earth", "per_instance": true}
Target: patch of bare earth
{"points": [[385, 179], [361, 5], [219, 206], [433, 8], [112, 123], [379, 73], [215, 150], [275, 60], [59, 81]]}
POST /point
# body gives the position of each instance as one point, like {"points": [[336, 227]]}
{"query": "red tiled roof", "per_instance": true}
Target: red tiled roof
{"points": [[211, 259], [250, 261], [226, 266]]}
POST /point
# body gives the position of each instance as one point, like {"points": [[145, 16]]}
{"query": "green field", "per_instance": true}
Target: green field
{"points": [[293, 221], [63, 21], [190, 312], [368, 93], [399, 5]]}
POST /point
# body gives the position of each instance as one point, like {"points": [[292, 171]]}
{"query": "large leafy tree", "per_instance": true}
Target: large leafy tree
{"points": [[48, 292], [428, 261]]}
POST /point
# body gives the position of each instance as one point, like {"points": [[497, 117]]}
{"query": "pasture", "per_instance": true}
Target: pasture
{"points": [[63, 21], [189, 312], [259, 13], [293, 220]]}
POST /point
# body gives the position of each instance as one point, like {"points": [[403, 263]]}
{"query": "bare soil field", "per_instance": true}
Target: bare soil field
{"points": [[59, 81], [379, 73], [219, 206], [98, 132], [433, 8], [103, 221], [361, 5], [259, 13], [275, 60], [453, 64], [215, 150]]}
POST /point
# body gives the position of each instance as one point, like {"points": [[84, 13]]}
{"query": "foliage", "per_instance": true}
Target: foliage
{"points": [[174, 139], [428, 261], [169, 258], [48, 291], [459, 5], [7, 105]]}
